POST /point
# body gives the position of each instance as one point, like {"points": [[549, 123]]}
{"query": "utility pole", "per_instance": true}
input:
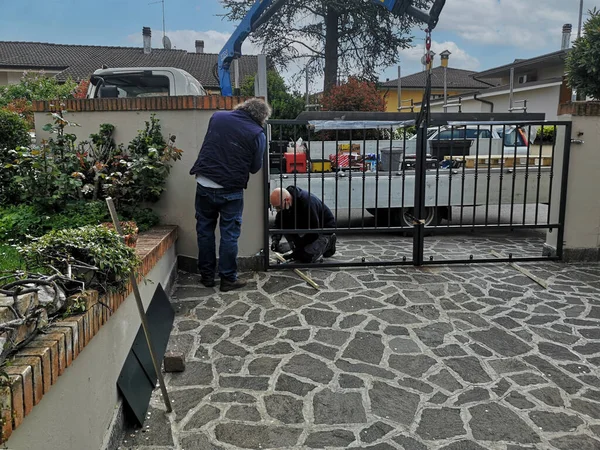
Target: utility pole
{"points": [[580, 19]]}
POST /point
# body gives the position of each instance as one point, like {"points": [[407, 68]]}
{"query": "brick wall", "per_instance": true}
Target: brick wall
{"points": [[579, 109], [208, 102], [38, 366]]}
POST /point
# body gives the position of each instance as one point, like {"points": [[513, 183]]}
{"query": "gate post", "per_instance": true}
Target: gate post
{"points": [[419, 209]]}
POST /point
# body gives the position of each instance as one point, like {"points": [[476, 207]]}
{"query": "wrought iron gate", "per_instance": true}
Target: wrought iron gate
{"points": [[444, 194]]}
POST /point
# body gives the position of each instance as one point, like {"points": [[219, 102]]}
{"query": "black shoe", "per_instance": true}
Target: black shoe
{"points": [[208, 282], [227, 285], [331, 247]]}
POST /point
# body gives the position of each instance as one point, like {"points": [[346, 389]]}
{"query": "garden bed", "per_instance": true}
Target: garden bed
{"points": [[33, 371]]}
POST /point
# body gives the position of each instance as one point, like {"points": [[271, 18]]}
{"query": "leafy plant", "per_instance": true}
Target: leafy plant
{"points": [[14, 131], [285, 104], [354, 95], [145, 218], [34, 86], [19, 221], [583, 62], [545, 135], [84, 250], [10, 259]]}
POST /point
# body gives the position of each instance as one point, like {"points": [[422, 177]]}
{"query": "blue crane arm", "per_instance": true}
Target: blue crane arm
{"points": [[401, 7], [263, 10], [260, 12]]}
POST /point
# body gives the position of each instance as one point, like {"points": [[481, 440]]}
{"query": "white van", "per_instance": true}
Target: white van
{"points": [[138, 82]]}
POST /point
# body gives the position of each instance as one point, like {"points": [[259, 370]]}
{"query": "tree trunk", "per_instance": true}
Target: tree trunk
{"points": [[332, 38]]}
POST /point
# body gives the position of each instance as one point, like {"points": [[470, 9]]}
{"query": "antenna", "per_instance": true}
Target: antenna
{"points": [[166, 40]]}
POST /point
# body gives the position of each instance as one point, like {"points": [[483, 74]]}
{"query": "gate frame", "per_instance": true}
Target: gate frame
{"points": [[419, 229]]}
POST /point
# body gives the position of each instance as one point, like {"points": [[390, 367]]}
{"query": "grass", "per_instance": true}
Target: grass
{"points": [[9, 258]]}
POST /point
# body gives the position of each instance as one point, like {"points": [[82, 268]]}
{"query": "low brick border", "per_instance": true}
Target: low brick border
{"points": [[36, 367], [208, 102]]}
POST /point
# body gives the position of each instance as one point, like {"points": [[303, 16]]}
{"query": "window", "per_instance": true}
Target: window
{"points": [[462, 133], [133, 85]]}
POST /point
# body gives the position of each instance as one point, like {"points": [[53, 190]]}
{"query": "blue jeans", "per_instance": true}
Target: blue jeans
{"points": [[213, 204]]}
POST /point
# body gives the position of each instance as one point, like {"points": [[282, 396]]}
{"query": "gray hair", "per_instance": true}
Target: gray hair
{"points": [[257, 108]]}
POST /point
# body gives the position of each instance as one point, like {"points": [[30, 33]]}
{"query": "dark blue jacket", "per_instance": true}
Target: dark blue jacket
{"points": [[230, 149], [307, 212]]}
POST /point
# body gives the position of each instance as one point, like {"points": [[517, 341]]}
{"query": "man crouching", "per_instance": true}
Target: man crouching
{"points": [[299, 210]]}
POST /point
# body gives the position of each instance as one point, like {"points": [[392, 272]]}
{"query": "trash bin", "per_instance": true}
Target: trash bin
{"points": [[391, 157], [455, 147]]}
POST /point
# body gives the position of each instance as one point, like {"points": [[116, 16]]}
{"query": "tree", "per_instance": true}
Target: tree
{"points": [[285, 105], [34, 86], [355, 95], [583, 63], [345, 37]]}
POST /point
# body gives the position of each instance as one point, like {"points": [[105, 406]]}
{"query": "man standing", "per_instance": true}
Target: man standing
{"points": [[299, 210], [233, 149]]}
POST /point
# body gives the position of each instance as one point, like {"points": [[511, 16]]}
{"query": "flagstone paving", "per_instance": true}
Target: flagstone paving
{"points": [[461, 358]]}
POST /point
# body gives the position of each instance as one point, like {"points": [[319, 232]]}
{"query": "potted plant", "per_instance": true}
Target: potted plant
{"points": [[130, 231]]}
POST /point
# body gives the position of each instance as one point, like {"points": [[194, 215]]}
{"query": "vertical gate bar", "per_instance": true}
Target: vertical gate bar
{"points": [[295, 204], [539, 178], [563, 188], [364, 175], [389, 223], [350, 184], [501, 175], [462, 193], [526, 175], [420, 161], [489, 180], [450, 174], [308, 174], [337, 174], [403, 171], [282, 165], [552, 175], [476, 175], [266, 201], [323, 179], [377, 186], [437, 173], [514, 180]]}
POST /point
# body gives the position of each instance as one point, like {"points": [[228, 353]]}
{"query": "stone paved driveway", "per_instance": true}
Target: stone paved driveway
{"points": [[458, 358]]}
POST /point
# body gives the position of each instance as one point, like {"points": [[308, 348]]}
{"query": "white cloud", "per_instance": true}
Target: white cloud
{"points": [[186, 40], [525, 24]]}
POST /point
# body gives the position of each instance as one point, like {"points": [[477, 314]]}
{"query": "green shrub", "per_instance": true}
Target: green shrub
{"points": [[583, 62], [94, 254], [145, 218], [10, 259], [18, 222], [14, 131]]}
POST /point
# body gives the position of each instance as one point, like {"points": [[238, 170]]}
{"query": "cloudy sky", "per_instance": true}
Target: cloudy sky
{"points": [[479, 33]]}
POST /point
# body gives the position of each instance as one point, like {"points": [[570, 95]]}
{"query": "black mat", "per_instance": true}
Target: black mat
{"points": [[138, 378]]}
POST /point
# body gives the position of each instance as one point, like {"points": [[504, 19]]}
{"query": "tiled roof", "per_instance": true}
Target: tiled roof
{"points": [[80, 61], [457, 79]]}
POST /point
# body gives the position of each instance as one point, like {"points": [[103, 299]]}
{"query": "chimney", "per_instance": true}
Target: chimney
{"points": [[199, 46], [445, 55], [147, 36], [430, 65], [566, 36]]}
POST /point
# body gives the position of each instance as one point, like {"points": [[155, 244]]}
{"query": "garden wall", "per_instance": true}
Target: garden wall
{"points": [[73, 411], [186, 118]]}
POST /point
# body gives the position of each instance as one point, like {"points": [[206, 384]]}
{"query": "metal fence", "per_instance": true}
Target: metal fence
{"points": [[464, 175]]}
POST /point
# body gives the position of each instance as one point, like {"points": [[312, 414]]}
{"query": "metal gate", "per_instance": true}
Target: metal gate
{"points": [[470, 188]]}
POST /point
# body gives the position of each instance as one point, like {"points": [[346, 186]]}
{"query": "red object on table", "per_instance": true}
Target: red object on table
{"points": [[295, 162], [346, 161]]}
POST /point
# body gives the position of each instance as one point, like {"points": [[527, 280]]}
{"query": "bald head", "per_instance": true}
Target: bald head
{"points": [[281, 198]]}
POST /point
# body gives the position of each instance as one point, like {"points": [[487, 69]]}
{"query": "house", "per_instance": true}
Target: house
{"points": [[78, 62], [458, 81], [540, 81]]}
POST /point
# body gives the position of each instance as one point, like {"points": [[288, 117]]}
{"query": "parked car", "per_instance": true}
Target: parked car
{"points": [[137, 82], [510, 134]]}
